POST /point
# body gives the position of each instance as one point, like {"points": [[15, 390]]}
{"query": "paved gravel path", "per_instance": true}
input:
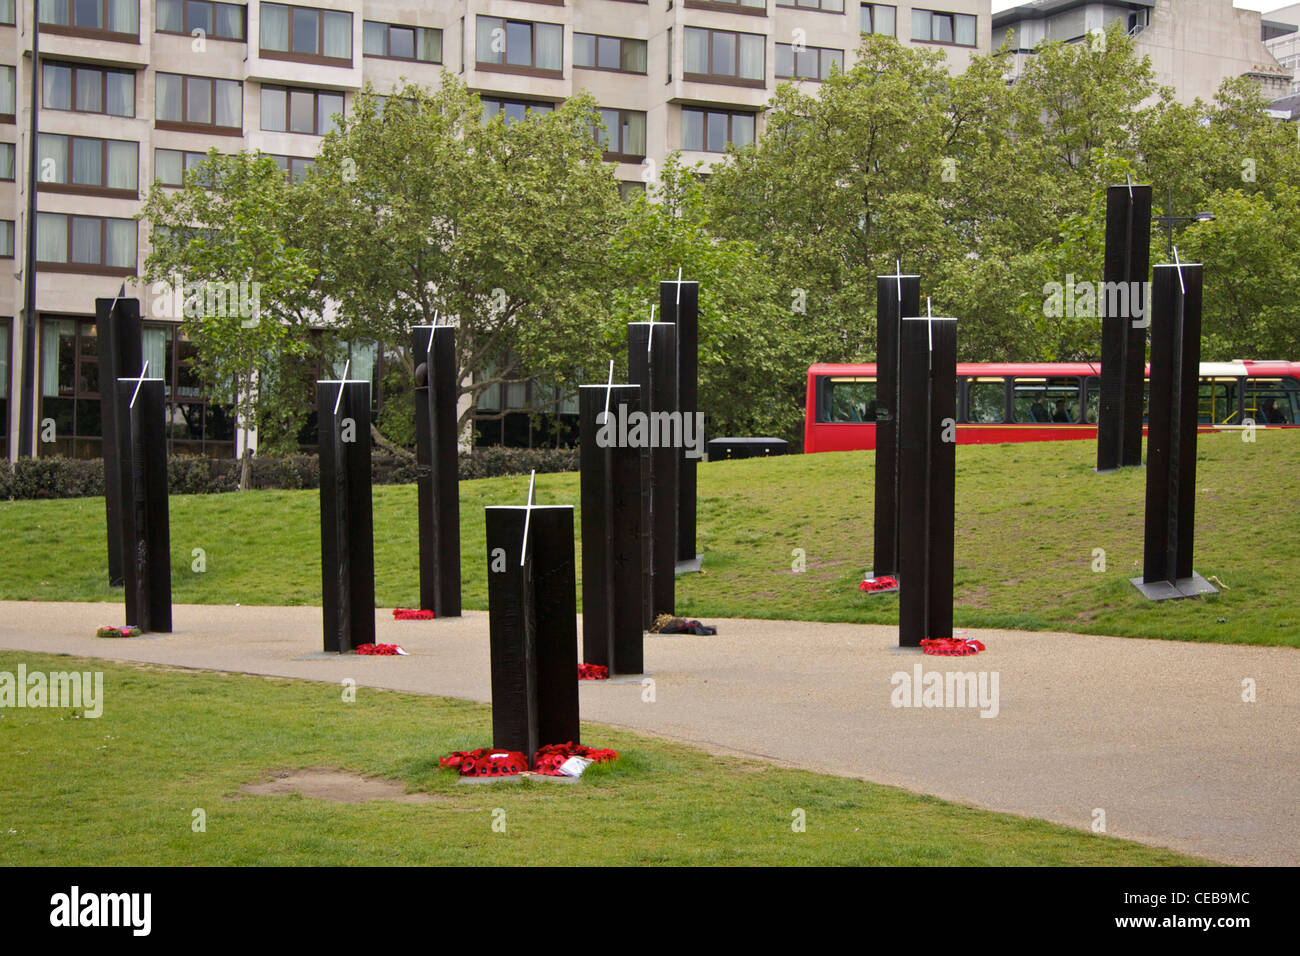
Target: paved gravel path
{"points": [[1153, 733]]}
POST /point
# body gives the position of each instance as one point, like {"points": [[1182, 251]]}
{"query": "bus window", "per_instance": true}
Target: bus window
{"points": [[1217, 401], [850, 399], [1046, 400], [1273, 401], [986, 400], [1094, 399]]}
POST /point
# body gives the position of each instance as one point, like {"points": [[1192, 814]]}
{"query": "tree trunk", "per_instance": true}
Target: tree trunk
{"points": [[245, 470]]}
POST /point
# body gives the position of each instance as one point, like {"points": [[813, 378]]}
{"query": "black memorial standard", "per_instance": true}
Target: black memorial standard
{"points": [[896, 296], [652, 366], [437, 481], [144, 531]]}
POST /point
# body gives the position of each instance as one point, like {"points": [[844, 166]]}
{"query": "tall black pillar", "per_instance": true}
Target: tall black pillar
{"points": [[896, 296], [653, 368], [679, 303], [532, 627], [927, 477], [1171, 435], [143, 528], [1123, 343], [346, 519], [612, 606], [437, 481], [119, 335]]}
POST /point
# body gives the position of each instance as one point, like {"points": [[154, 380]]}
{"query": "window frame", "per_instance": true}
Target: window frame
{"points": [[820, 50], [728, 6], [871, 8], [388, 27], [799, 7], [730, 114], [729, 80], [953, 17], [503, 101], [320, 59], [185, 126], [84, 268], [97, 33], [243, 20], [503, 67], [103, 87], [615, 156], [81, 189], [597, 37], [287, 90], [13, 85]]}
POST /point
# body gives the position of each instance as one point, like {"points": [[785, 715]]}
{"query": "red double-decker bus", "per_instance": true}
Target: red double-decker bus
{"points": [[1012, 402]]}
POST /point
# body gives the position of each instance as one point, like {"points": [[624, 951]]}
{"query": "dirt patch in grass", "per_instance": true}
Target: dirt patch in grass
{"points": [[337, 786]]}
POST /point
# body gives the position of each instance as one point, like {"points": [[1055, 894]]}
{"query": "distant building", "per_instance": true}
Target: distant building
{"points": [[1281, 32], [1194, 45]]}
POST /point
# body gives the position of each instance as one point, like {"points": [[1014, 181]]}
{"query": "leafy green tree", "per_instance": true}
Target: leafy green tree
{"points": [[229, 240]]}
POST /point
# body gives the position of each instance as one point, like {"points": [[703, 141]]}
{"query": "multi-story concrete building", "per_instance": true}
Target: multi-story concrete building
{"points": [[1281, 30], [129, 91], [1194, 45]]}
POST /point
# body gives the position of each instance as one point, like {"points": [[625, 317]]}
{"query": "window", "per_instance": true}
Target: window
{"points": [[1045, 400], [7, 19], [86, 165], [171, 165], [933, 27], [846, 399], [121, 17], [594, 52], [628, 190], [7, 94], [70, 389], [517, 46], [713, 130], [423, 44], [8, 154], [68, 243], [879, 18], [826, 6], [1217, 402], [986, 400], [184, 102], [86, 89], [306, 34], [810, 63], [219, 21], [624, 135], [1272, 401], [286, 110], [6, 238], [721, 56], [295, 167], [512, 110], [753, 7]]}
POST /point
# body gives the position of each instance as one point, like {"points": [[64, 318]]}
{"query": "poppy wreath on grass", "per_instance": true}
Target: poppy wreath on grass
{"points": [[411, 614], [885, 582], [381, 650], [486, 762], [593, 672], [108, 630], [550, 758], [951, 646]]}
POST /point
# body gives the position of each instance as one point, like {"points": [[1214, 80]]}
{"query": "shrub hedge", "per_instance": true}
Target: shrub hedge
{"points": [[79, 478]]}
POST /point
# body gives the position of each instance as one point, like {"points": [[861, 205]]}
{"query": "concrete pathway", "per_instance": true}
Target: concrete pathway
{"points": [[1153, 733]]}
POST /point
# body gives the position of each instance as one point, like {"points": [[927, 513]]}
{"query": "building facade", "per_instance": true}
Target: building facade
{"points": [[132, 91], [1194, 45]]}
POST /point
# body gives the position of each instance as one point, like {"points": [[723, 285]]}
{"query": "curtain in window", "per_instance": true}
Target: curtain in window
{"points": [[784, 59], [363, 361], [428, 45], [7, 89], [87, 162], [198, 99], [56, 87], [51, 158], [124, 16], [742, 130], [7, 154], [90, 90], [273, 105], [119, 94], [171, 16], [831, 58], [692, 129], [86, 235], [373, 39], [697, 50], [634, 135], [154, 348], [229, 21], [123, 161], [275, 27], [550, 46], [338, 34], [54, 12], [833, 6], [884, 20], [51, 237], [485, 50], [965, 30], [168, 97], [167, 166], [51, 331], [230, 106], [634, 56], [752, 64], [920, 24], [328, 105], [121, 243]]}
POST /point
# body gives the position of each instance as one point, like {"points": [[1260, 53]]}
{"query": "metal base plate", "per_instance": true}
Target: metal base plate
{"points": [[1194, 586], [691, 566]]}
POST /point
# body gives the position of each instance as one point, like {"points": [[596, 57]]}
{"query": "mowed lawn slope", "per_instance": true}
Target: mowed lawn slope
{"points": [[1030, 520], [123, 789]]}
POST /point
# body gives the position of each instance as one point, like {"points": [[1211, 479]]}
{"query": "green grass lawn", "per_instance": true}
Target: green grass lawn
{"points": [[122, 789], [1029, 517]]}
